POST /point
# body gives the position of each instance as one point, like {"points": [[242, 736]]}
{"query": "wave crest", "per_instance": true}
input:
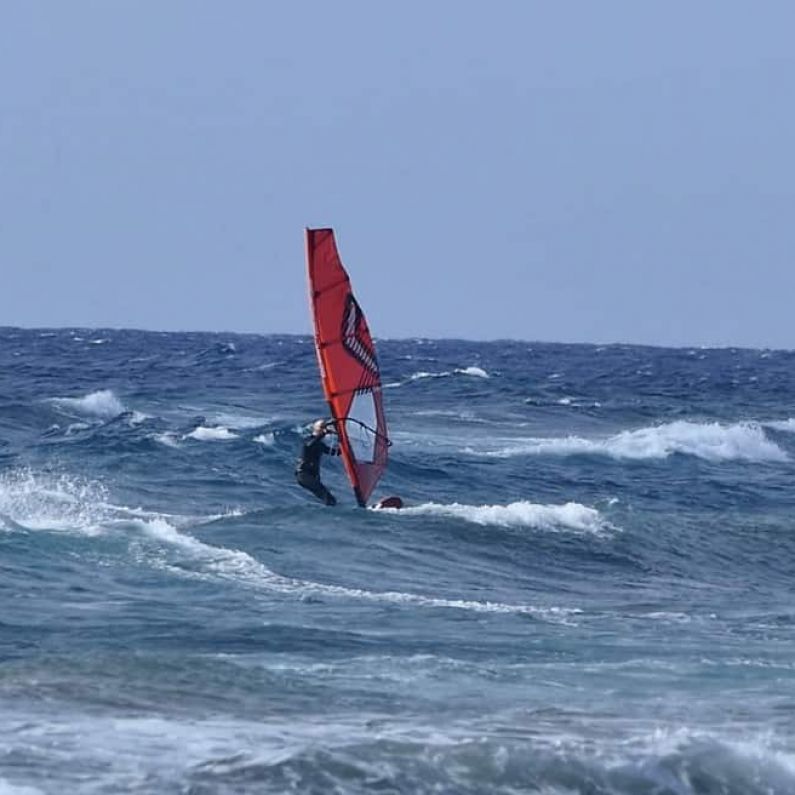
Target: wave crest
{"points": [[205, 434], [37, 501], [570, 516], [787, 425], [744, 441], [240, 567], [472, 371], [40, 501], [102, 403]]}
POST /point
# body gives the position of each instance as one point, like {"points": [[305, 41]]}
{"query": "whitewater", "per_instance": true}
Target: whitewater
{"points": [[588, 591]]}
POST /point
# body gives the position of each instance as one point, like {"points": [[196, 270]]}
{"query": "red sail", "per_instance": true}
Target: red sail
{"points": [[348, 365]]}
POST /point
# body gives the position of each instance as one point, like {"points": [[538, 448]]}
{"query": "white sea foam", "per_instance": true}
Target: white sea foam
{"points": [[267, 439], [76, 427], [477, 372], [6, 788], [44, 501], [787, 425], [168, 438], [237, 421], [570, 516], [102, 403], [31, 500], [122, 513], [754, 752], [121, 751], [745, 441], [205, 434], [571, 748], [465, 415]]}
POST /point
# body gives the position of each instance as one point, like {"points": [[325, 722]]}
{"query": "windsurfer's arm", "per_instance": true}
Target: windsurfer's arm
{"points": [[331, 428], [335, 450]]}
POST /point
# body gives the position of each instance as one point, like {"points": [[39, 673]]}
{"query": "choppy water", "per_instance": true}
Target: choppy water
{"points": [[591, 590]]}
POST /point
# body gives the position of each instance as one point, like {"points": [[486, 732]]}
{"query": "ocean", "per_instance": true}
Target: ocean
{"points": [[590, 589]]}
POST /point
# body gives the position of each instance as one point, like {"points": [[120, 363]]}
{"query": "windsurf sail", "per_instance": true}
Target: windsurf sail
{"points": [[348, 365]]}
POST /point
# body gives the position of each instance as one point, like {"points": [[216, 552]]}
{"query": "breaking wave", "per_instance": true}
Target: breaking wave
{"points": [[168, 438], [355, 753], [570, 516], [210, 434], [31, 500], [237, 421], [477, 372], [40, 501], [745, 441], [242, 568], [473, 371], [782, 425], [102, 403]]}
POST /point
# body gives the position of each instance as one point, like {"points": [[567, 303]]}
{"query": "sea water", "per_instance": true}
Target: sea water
{"points": [[590, 589]]}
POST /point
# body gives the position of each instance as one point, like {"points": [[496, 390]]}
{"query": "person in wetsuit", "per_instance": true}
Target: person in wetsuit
{"points": [[307, 470]]}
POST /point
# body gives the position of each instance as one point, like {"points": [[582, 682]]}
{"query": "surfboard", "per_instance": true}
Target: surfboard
{"points": [[389, 502], [348, 365]]}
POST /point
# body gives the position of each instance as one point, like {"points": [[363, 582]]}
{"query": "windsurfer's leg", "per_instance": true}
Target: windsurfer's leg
{"points": [[328, 497], [313, 484]]}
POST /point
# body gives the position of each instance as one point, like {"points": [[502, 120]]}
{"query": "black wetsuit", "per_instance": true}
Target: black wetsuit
{"points": [[307, 470]]}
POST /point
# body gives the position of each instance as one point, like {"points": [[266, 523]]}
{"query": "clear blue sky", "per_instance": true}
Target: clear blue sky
{"points": [[566, 171]]}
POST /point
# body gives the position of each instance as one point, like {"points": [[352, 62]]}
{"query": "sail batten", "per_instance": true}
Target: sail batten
{"points": [[348, 365]]}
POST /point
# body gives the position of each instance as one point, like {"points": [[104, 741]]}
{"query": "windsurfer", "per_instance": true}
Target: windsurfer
{"points": [[307, 471]]}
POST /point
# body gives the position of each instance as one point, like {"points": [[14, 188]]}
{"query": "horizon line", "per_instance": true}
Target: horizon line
{"points": [[408, 338]]}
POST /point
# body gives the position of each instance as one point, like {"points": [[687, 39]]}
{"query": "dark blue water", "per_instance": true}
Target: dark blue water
{"points": [[591, 590]]}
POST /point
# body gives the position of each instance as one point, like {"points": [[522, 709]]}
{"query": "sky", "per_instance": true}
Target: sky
{"points": [[613, 171]]}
